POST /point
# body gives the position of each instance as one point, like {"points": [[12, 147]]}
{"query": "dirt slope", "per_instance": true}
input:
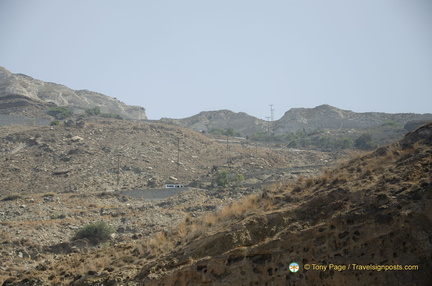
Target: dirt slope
{"points": [[88, 157], [55, 180], [374, 210]]}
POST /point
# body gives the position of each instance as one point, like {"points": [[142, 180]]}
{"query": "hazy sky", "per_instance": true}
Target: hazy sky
{"points": [[177, 58]]}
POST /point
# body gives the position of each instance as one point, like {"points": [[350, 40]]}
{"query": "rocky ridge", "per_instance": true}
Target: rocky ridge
{"points": [[329, 117], [22, 94], [323, 117], [221, 119]]}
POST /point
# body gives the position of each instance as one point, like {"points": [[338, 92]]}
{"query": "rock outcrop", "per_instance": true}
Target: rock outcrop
{"points": [[19, 94]]}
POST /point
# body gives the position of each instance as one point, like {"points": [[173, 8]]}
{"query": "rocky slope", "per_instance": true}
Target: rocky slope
{"points": [[222, 119], [329, 117], [324, 117], [22, 94], [57, 179], [108, 154], [372, 211]]}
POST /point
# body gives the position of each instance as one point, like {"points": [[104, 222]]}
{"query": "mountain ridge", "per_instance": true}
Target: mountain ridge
{"points": [[23, 94], [307, 119]]}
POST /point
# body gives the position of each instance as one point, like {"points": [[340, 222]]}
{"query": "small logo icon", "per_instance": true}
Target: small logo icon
{"points": [[294, 267]]}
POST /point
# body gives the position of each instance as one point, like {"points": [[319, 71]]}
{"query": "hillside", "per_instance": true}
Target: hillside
{"points": [[329, 117], [88, 155], [323, 117], [221, 119], [24, 95], [372, 210]]}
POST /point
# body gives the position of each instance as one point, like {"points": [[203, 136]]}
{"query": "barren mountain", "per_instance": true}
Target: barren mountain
{"points": [[22, 94], [323, 117], [221, 119], [329, 117], [365, 222]]}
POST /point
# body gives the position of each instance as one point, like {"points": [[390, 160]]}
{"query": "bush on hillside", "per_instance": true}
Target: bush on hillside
{"points": [[93, 111], [60, 112], [95, 232], [225, 179], [365, 142]]}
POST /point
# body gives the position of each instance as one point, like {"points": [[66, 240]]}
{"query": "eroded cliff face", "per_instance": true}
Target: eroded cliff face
{"points": [[19, 92]]}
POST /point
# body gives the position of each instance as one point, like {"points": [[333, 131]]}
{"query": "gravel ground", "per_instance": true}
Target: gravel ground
{"points": [[10, 119], [153, 194]]}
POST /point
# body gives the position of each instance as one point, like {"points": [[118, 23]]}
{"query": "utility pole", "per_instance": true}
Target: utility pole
{"points": [[178, 154], [118, 172], [227, 141], [271, 112], [268, 125]]}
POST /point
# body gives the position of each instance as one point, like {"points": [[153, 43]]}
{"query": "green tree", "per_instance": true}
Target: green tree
{"points": [[222, 178], [365, 142], [60, 112], [229, 131]]}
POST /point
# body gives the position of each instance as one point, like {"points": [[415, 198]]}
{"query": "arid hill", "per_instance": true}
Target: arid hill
{"points": [[24, 95], [222, 119], [323, 117], [108, 154], [372, 211]]}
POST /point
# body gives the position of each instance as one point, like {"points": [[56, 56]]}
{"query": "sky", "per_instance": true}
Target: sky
{"points": [[178, 58]]}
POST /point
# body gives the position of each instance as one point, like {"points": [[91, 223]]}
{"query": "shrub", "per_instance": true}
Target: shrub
{"points": [[111, 115], [95, 232], [365, 142], [238, 179], [93, 111], [228, 132], [225, 179], [60, 112], [222, 178]]}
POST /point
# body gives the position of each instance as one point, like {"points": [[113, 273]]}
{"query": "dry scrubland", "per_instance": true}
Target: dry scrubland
{"points": [[374, 208], [86, 158]]}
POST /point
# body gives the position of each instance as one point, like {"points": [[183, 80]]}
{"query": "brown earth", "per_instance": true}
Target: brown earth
{"points": [[87, 157], [372, 211], [55, 180]]}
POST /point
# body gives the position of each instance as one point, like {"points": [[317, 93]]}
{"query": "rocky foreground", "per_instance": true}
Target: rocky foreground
{"points": [[373, 211], [368, 222]]}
